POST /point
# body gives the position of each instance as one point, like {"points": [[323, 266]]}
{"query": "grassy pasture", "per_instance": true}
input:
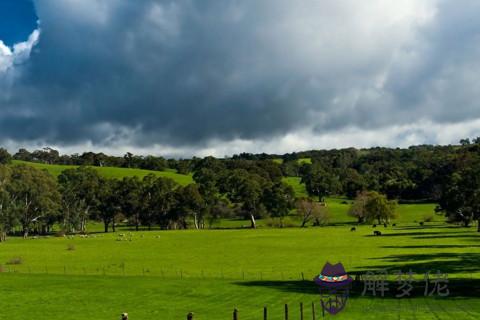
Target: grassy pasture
{"points": [[166, 274], [112, 172]]}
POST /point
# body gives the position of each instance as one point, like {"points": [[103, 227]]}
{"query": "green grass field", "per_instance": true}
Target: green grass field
{"points": [[166, 274], [113, 172]]}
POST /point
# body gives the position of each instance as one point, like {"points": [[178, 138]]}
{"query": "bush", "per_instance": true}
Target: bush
{"points": [[428, 217], [60, 234], [13, 261]]}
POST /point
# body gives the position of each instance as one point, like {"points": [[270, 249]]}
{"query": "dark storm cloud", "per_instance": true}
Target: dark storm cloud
{"points": [[182, 73]]}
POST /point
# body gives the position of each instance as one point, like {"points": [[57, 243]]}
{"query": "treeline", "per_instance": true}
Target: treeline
{"points": [[31, 200], [249, 185], [129, 160]]}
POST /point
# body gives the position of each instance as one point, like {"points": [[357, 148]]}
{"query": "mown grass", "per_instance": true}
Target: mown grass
{"points": [[112, 172], [166, 274]]}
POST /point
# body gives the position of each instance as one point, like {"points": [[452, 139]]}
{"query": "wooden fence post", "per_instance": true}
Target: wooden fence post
{"points": [[301, 310], [265, 313], [235, 314], [190, 316], [286, 311], [313, 310]]}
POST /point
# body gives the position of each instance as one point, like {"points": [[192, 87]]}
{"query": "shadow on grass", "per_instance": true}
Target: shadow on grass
{"points": [[445, 262], [434, 246], [449, 236], [413, 234], [431, 226], [458, 288]]}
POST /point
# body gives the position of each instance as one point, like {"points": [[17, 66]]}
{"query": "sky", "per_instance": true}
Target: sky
{"points": [[185, 77]]}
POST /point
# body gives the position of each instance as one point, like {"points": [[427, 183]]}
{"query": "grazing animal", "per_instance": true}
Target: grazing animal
{"points": [[421, 223], [374, 226], [385, 225], [394, 225], [377, 233], [353, 229]]}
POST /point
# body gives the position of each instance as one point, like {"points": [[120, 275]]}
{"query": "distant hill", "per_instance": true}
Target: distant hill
{"points": [[112, 172]]}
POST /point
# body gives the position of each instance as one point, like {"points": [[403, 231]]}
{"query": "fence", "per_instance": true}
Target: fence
{"points": [[121, 269], [301, 309]]}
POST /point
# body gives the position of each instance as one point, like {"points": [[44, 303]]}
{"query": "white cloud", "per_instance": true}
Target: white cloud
{"points": [[20, 53]]}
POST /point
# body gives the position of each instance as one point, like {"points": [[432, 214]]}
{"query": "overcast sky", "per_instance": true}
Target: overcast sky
{"points": [[182, 78]]}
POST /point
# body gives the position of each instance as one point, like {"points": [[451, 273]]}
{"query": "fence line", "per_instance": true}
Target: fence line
{"points": [[180, 274], [236, 313]]}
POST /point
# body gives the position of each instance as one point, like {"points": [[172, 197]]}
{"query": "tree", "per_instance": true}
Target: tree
{"points": [[154, 163], [358, 208], [353, 183], [247, 190], [5, 157], [207, 181], [80, 188], [34, 194], [108, 205], [460, 199], [320, 182], [23, 154], [309, 210], [158, 198], [379, 207], [8, 218], [130, 199], [279, 199], [189, 201], [46, 155]]}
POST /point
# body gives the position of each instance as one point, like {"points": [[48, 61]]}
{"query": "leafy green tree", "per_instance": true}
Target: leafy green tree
{"points": [[154, 163], [46, 155], [189, 202], [379, 208], [34, 194], [460, 199], [353, 183], [279, 199], [291, 168], [320, 182], [5, 157], [208, 182], [108, 202], [158, 198], [8, 218], [23, 154], [80, 189], [130, 191]]}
